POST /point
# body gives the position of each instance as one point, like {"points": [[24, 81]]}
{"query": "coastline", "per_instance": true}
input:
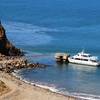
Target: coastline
{"points": [[20, 90]]}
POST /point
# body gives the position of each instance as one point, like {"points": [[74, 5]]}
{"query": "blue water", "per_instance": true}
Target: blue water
{"points": [[44, 27]]}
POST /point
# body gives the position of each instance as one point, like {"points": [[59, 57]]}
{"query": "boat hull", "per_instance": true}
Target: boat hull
{"points": [[81, 62]]}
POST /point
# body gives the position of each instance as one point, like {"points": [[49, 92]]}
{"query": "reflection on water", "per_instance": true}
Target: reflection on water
{"points": [[83, 67], [77, 67], [61, 66]]}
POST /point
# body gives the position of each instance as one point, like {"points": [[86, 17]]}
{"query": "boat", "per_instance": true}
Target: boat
{"points": [[84, 59], [60, 57]]}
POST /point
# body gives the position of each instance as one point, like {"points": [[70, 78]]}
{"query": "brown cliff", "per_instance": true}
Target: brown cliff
{"points": [[6, 48]]}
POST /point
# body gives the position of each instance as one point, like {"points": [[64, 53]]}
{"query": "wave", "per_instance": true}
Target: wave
{"points": [[87, 96], [46, 86], [53, 88]]}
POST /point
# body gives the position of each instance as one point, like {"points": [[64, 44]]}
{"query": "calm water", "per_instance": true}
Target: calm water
{"points": [[44, 27]]}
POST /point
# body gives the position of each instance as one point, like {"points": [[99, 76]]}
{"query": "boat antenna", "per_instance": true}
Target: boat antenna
{"points": [[83, 51]]}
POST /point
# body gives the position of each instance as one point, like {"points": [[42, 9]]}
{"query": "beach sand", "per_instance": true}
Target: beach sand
{"points": [[20, 90]]}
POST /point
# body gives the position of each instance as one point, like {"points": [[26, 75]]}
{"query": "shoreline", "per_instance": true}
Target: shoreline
{"points": [[17, 85], [39, 85], [78, 96]]}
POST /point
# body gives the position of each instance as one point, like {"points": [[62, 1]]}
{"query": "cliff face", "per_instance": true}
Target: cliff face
{"points": [[6, 48]]}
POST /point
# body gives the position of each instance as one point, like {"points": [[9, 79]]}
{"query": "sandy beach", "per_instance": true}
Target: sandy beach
{"points": [[20, 90]]}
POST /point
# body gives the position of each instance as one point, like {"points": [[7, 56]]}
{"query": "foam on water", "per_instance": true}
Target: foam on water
{"points": [[25, 27], [30, 34], [53, 88], [86, 96], [39, 84]]}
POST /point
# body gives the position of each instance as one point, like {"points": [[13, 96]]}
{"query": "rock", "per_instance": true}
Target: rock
{"points": [[3, 88], [7, 48]]}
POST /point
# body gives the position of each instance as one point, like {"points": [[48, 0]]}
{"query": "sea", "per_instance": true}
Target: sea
{"points": [[42, 28]]}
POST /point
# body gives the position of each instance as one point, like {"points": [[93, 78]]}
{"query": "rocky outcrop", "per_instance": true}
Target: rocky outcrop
{"points": [[6, 48]]}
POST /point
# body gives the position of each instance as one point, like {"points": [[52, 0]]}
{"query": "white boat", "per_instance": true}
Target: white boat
{"points": [[85, 59]]}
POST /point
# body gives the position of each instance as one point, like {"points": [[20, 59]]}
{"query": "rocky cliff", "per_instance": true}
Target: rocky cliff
{"points": [[6, 48]]}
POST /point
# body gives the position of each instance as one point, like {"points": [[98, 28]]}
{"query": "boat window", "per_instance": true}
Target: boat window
{"points": [[90, 55], [86, 55], [72, 57], [93, 60], [85, 59], [77, 58], [81, 59]]}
